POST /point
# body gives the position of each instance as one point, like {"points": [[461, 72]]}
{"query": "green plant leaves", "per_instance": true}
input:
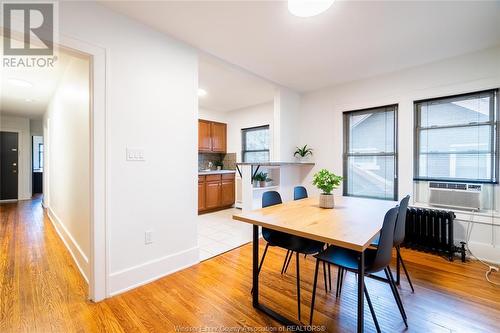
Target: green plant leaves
{"points": [[326, 181]]}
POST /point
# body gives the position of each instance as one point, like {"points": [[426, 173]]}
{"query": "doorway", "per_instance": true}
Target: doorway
{"points": [[9, 146]]}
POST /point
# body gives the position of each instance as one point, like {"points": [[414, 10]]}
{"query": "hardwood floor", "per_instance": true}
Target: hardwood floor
{"points": [[41, 290]]}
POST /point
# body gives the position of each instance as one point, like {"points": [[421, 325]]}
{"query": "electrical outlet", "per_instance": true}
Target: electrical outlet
{"points": [[148, 237]]}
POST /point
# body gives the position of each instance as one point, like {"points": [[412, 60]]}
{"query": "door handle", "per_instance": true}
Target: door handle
{"points": [[14, 164]]}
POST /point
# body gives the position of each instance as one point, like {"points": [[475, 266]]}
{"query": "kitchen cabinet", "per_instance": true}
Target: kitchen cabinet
{"points": [[201, 193], [218, 132], [204, 138], [212, 137], [215, 191], [227, 189]]}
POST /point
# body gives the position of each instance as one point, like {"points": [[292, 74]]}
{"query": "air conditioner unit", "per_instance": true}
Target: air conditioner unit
{"points": [[455, 195]]}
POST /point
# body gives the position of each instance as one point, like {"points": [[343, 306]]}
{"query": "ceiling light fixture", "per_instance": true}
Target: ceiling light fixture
{"points": [[201, 92], [20, 83], [308, 8]]}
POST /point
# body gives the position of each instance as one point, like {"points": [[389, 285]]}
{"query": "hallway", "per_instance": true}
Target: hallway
{"points": [[40, 286]]}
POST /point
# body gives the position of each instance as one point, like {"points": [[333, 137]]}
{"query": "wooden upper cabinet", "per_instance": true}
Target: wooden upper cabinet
{"points": [[218, 131], [212, 136], [204, 137]]}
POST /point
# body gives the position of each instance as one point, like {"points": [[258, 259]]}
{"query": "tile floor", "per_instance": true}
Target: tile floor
{"points": [[219, 233]]}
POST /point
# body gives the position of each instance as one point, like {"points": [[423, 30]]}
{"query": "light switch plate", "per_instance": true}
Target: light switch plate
{"points": [[135, 154]]}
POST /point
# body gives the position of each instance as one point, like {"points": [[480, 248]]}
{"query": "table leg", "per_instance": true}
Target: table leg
{"points": [[361, 286], [255, 267], [290, 324]]}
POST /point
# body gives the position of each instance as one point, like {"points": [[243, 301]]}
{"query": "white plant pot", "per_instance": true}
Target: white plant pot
{"points": [[326, 201], [256, 183]]}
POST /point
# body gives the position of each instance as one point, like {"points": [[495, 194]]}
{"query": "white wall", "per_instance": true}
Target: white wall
{"points": [[36, 127], [286, 124], [67, 139], [22, 126], [152, 103], [321, 117], [217, 116]]}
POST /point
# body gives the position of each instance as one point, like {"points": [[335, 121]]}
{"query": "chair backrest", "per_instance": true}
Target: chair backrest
{"points": [[271, 198], [384, 249], [299, 192], [400, 229]]}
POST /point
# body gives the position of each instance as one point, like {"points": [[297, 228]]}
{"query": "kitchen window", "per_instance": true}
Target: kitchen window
{"points": [[255, 144], [370, 153], [456, 138]]}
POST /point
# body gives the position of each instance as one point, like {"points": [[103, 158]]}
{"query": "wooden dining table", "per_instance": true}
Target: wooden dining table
{"points": [[352, 224]]}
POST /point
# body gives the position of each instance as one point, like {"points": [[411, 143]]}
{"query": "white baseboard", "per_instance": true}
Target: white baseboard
{"points": [[80, 259], [136, 276]]}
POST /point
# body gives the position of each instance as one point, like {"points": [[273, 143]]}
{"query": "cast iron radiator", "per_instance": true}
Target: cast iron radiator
{"points": [[431, 230]]}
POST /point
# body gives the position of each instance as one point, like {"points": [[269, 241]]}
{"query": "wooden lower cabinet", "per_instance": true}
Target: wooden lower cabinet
{"points": [[212, 195], [215, 192], [201, 195], [227, 195]]}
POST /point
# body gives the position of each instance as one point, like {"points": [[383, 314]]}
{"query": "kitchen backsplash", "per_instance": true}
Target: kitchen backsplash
{"points": [[228, 161]]}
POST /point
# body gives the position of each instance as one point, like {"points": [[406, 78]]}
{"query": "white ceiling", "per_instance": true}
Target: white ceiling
{"points": [[30, 101], [230, 88], [352, 40]]}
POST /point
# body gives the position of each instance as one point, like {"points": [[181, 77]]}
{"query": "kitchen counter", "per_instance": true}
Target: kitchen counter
{"points": [[215, 172], [275, 164]]}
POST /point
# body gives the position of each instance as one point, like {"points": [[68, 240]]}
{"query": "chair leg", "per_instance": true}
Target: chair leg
{"points": [[330, 276], [314, 291], [339, 272], [341, 281], [284, 262], [263, 256], [298, 284], [375, 321], [324, 276], [396, 295], [406, 271], [289, 259], [261, 262]]}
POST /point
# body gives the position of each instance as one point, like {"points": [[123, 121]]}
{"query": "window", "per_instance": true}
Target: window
{"points": [[370, 158], [456, 138], [255, 144], [40, 155]]}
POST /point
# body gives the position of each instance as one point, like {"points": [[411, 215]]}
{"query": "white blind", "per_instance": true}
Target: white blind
{"points": [[456, 138], [370, 153]]}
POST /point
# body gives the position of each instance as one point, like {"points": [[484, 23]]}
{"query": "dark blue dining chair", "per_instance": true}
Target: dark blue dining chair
{"points": [[376, 260], [286, 241], [299, 192], [399, 237]]}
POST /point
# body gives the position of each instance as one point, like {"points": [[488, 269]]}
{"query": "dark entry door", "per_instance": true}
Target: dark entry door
{"points": [[8, 165]]}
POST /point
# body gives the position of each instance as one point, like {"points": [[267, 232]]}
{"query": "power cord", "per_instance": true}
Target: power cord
{"points": [[491, 268]]}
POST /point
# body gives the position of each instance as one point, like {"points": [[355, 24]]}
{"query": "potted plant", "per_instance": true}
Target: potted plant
{"points": [[269, 182], [326, 181], [303, 153], [259, 180], [219, 165]]}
